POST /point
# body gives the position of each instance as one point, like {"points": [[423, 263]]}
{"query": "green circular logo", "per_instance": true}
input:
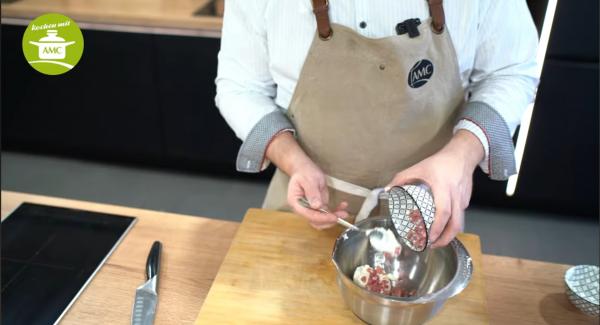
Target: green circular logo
{"points": [[53, 44]]}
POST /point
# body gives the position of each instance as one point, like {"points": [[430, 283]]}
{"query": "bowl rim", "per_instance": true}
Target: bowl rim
{"points": [[457, 284], [568, 272]]}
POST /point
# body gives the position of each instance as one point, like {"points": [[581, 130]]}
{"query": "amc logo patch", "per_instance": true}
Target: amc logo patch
{"points": [[420, 73]]}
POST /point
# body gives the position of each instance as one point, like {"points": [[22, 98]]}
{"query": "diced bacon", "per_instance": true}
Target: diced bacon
{"points": [[417, 236], [378, 281], [415, 216]]}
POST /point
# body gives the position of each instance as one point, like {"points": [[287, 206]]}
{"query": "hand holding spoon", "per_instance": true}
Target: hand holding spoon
{"points": [[304, 202], [383, 241], [376, 236]]}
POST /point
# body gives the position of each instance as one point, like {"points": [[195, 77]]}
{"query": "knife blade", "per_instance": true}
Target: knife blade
{"points": [[146, 295]]}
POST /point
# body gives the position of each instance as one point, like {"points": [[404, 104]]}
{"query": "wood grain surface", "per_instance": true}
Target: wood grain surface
{"points": [[147, 13], [529, 292], [278, 270], [193, 248], [517, 291]]}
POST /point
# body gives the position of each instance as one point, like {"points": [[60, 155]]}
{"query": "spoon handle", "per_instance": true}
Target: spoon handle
{"points": [[304, 202], [346, 224]]}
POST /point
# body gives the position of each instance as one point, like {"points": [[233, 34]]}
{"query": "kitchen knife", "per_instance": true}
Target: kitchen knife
{"points": [[146, 295]]}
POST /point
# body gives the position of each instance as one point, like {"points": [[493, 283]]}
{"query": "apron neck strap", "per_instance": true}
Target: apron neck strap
{"points": [[436, 11], [321, 10]]}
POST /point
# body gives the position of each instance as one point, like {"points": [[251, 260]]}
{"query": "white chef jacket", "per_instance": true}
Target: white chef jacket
{"points": [[265, 42]]}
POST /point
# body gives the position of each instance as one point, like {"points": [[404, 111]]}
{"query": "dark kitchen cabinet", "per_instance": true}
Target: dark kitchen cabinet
{"points": [[106, 107], [560, 166], [575, 32], [139, 98], [563, 163], [559, 172], [194, 131], [134, 98]]}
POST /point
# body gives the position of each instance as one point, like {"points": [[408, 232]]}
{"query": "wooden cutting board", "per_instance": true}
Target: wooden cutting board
{"points": [[278, 270]]}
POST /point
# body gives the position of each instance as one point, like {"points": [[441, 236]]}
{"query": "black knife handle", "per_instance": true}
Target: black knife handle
{"points": [[153, 261]]}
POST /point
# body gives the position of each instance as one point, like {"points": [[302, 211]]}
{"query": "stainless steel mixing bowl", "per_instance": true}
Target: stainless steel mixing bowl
{"points": [[435, 274]]}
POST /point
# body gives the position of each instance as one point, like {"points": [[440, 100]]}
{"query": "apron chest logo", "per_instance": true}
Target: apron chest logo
{"points": [[420, 73]]}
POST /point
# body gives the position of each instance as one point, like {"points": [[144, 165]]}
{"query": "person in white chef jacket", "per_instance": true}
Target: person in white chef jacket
{"points": [[347, 96]]}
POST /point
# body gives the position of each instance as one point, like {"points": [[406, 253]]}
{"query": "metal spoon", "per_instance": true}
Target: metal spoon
{"points": [[304, 202], [375, 235]]}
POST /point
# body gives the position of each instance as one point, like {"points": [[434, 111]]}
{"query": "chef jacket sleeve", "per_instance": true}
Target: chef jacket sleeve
{"points": [[245, 88], [503, 80]]}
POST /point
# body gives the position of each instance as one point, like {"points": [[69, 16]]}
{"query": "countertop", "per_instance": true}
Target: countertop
{"points": [[193, 249], [518, 291], [179, 17]]}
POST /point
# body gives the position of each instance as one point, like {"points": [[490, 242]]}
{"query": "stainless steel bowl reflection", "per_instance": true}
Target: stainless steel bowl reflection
{"points": [[436, 275]]}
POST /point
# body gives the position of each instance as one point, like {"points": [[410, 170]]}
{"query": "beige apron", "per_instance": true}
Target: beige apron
{"points": [[365, 109]]}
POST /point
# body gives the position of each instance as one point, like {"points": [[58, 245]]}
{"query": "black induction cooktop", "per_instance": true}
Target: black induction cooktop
{"points": [[49, 254]]}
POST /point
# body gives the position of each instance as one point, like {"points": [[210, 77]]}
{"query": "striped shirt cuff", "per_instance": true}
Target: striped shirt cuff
{"points": [[501, 151], [251, 157]]}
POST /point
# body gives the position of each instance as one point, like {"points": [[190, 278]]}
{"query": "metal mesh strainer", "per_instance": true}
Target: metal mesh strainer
{"points": [[403, 202]]}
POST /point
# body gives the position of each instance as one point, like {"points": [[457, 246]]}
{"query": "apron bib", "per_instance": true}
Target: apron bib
{"points": [[365, 109]]}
